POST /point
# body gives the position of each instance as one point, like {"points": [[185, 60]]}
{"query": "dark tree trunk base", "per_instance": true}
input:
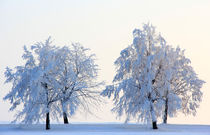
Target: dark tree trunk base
{"points": [[154, 125], [165, 112], [165, 121], [48, 121], [165, 118], [65, 118]]}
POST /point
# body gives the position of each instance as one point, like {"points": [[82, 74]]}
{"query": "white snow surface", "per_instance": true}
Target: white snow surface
{"points": [[104, 129]]}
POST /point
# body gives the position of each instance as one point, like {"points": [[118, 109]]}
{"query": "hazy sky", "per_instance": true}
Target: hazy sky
{"points": [[105, 26]]}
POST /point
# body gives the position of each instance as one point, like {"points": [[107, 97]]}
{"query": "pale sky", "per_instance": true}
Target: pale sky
{"points": [[105, 26]]}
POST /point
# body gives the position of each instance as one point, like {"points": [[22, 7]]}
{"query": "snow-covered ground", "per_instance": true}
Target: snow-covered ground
{"points": [[104, 129]]}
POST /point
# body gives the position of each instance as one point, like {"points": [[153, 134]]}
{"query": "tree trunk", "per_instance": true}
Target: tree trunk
{"points": [[47, 121], [154, 120], [48, 113], [154, 125], [165, 112], [65, 118]]}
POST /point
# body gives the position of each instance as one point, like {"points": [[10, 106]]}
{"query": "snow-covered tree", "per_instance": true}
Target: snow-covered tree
{"points": [[34, 84], [135, 89], [182, 91], [153, 79], [52, 81], [77, 77]]}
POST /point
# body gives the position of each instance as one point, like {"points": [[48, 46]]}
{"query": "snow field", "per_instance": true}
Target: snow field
{"points": [[104, 129]]}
